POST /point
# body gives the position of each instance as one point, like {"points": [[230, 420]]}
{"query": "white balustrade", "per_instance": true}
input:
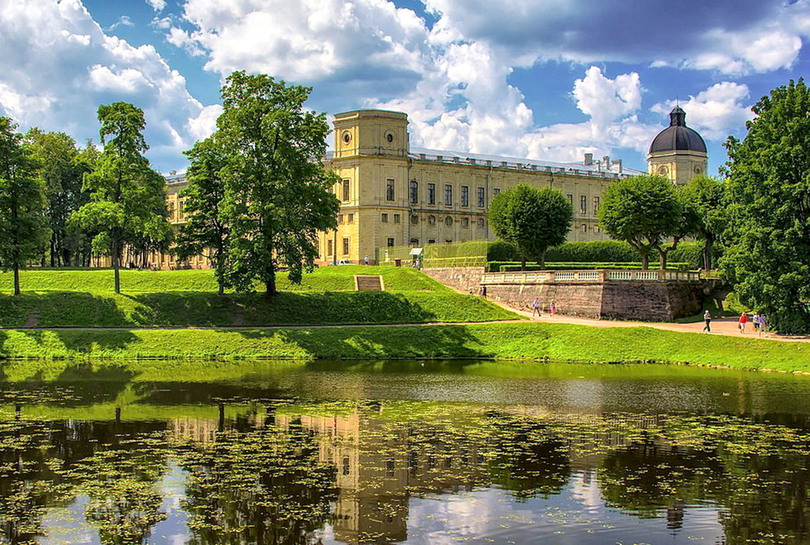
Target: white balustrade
{"points": [[539, 277]]}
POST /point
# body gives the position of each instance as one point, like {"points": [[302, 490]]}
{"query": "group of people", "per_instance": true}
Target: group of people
{"points": [[760, 323], [552, 307]]}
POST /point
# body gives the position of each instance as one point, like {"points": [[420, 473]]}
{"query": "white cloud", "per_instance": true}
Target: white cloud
{"points": [[124, 20], [715, 112], [57, 66], [202, 126], [157, 5], [606, 100]]}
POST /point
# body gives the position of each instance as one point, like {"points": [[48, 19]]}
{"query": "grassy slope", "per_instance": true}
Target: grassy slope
{"points": [[563, 342], [188, 298]]}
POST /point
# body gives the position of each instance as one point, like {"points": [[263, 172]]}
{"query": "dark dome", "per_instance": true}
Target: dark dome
{"points": [[678, 137]]}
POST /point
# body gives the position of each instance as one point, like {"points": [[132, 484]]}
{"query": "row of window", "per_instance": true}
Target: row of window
{"points": [[390, 195]]}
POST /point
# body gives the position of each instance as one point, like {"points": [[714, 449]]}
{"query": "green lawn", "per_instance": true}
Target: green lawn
{"points": [[525, 340], [56, 298]]}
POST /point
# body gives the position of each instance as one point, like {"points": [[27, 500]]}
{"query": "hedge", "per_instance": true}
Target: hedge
{"points": [[512, 266]]}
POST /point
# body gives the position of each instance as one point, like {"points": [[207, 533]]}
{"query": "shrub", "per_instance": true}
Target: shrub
{"points": [[603, 251]]}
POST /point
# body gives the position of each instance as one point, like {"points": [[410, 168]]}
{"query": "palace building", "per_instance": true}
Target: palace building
{"points": [[394, 195]]}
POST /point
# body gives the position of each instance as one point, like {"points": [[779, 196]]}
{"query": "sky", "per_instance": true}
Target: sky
{"points": [[541, 79]]}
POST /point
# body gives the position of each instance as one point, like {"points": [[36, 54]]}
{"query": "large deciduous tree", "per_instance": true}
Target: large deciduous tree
{"points": [[768, 236], [277, 195], [62, 167], [207, 229], [532, 219], [649, 213], [707, 197], [22, 222], [128, 198]]}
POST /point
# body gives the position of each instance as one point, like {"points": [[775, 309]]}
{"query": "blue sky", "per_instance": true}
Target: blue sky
{"points": [[543, 79]]}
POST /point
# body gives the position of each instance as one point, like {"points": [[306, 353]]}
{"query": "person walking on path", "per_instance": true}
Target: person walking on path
{"points": [[536, 307], [365, 260], [757, 323], [743, 321], [707, 317], [552, 308]]}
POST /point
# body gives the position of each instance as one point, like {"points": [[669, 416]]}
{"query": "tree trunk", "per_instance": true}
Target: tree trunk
{"points": [[645, 261], [542, 261], [707, 255], [522, 261], [663, 256], [54, 254], [116, 257], [271, 285], [16, 279]]}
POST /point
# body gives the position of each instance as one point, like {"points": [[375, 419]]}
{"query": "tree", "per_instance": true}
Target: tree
{"points": [[646, 212], [768, 234], [128, 200], [532, 219], [277, 189], [62, 168], [207, 228], [707, 196], [22, 225]]}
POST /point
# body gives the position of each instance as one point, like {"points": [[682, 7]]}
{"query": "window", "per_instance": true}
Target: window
{"points": [[345, 190], [431, 220], [329, 249], [597, 229], [432, 241], [448, 221], [414, 219], [465, 223], [389, 468], [389, 137], [384, 218], [448, 194], [414, 192], [390, 242], [397, 218], [570, 198], [351, 219], [480, 223], [465, 195], [595, 205], [345, 245], [389, 189], [415, 242], [346, 466], [496, 191], [481, 197], [584, 228], [448, 240], [431, 193], [583, 204]]}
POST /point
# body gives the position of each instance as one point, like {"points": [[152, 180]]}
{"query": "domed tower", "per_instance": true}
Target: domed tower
{"points": [[678, 152]]}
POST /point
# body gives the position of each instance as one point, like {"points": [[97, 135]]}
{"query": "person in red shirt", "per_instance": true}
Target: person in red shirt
{"points": [[743, 321]]}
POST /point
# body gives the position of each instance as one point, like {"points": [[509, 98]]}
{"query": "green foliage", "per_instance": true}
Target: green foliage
{"points": [[646, 212], [692, 253], [768, 235], [707, 196], [512, 266], [128, 198], [207, 228], [22, 204], [594, 250], [277, 190], [532, 219], [501, 250], [62, 167]]}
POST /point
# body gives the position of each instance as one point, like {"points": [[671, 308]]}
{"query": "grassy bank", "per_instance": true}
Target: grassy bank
{"points": [[563, 342], [188, 298]]}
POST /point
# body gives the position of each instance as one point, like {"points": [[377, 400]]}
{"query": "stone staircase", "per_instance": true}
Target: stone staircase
{"points": [[367, 282]]}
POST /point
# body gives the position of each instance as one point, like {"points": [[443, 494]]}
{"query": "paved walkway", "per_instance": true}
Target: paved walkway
{"points": [[720, 326]]}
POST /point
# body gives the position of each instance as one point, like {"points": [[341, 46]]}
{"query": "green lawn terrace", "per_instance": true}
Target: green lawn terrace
{"points": [[188, 298]]}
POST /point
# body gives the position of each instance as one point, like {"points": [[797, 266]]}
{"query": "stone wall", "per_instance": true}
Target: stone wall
{"points": [[461, 278], [578, 299]]}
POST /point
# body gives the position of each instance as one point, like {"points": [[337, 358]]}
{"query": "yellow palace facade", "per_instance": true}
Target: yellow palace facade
{"points": [[395, 195]]}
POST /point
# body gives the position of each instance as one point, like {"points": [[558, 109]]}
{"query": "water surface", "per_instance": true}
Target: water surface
{"points": [[401, 452]]}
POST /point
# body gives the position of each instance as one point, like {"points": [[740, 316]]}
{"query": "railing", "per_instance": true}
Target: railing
{"points": [[540, 277]]}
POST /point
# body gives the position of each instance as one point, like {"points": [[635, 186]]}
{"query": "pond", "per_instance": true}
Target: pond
{"points": [[401, 452]]}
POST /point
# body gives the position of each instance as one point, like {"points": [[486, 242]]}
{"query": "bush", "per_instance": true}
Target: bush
{"points": [[501, 250], [602, 251], [514, 266]]}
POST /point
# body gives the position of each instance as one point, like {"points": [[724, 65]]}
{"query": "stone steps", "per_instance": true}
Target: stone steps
{"points": [[368, 283]]}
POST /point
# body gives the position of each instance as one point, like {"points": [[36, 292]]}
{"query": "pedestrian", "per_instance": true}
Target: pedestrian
{"points": [[743, 321], [757, 323], [552, 308], [763, 324], [536, 307], [365, 260], [707, 317]]}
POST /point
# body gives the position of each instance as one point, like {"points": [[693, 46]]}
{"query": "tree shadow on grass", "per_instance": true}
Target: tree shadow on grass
{"points": [[382, 342], [61, 309]]}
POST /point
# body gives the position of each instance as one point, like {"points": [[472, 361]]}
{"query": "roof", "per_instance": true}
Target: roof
{"points": [[678, 137]]}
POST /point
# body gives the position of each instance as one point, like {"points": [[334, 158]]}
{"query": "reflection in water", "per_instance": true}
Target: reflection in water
{"points": [[220, 462]]}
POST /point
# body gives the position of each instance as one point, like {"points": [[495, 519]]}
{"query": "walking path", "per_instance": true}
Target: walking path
{"points": [[720, 326]]}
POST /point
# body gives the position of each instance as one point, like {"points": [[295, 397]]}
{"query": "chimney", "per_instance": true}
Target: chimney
{"points": [[619, 163], [588, 159], [606, 160]]}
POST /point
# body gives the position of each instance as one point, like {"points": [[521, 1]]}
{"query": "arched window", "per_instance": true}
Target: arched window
{"points": [[414, 192], [431, 220], [448, 221]]}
